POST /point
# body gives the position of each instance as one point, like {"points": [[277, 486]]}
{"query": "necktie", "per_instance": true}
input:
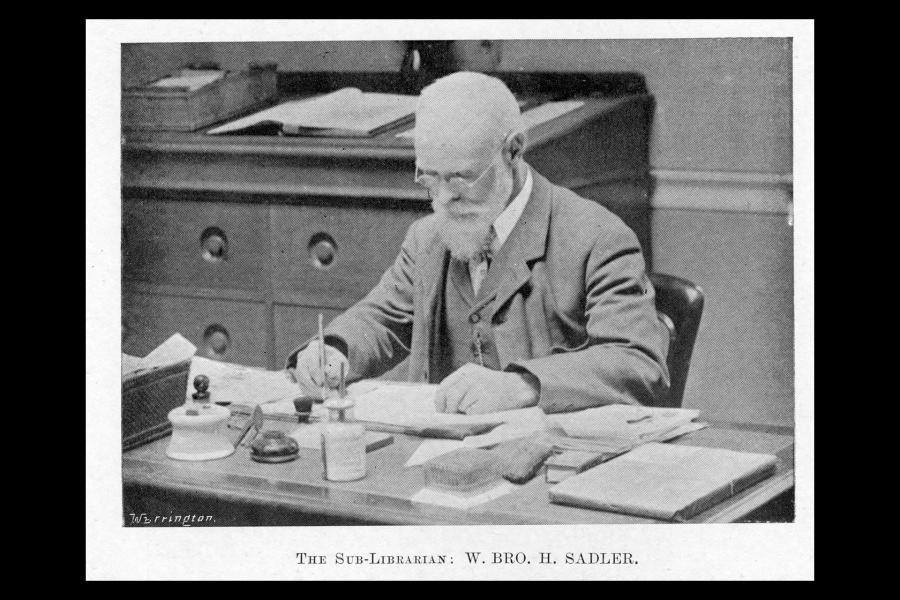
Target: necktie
{"points": [[482, 262]]}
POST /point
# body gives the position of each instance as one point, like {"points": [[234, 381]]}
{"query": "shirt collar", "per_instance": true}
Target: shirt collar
{"points": [[507, 220]]}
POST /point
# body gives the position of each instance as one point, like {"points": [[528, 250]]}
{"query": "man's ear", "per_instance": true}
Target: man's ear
{"points": [[515, 145]]}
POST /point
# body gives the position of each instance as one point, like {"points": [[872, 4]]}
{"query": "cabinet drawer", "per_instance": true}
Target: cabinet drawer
{"points": [[195, 244], [221, 329], [333, 256]]}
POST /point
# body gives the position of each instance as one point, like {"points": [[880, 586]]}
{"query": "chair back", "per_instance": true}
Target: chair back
{"points": [[679, 304]]}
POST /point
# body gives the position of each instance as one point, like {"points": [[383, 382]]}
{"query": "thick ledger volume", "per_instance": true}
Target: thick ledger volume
{"points": [[664, 481]]}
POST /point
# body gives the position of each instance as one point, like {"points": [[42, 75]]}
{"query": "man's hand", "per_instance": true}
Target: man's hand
{"points": [[310, 377], [475, 389]]}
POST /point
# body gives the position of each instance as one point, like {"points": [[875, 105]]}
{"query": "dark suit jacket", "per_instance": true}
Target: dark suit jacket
{"points": [[574, 306]]}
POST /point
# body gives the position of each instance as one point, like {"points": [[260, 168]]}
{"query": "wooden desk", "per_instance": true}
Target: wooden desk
{"points": [[237, 491]]}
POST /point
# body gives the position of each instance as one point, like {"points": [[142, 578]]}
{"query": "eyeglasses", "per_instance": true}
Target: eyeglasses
{"points": [[455, 183]]}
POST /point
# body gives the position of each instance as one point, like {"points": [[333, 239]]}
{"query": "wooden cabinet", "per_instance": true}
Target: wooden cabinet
{"points": [[238, 242], [226, 330]]}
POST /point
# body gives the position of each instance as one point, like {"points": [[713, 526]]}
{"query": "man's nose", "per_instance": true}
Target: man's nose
{"points": [[442, 195]]}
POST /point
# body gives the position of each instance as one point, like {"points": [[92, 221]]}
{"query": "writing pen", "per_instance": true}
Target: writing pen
{"points": [[322, 359]]}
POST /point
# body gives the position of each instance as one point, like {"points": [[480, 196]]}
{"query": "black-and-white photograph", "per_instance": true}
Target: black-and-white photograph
{"points": [[449, 299]]}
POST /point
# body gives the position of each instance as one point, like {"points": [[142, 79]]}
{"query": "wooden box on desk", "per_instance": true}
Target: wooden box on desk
{"points": [[154, 108], [147, 398]]}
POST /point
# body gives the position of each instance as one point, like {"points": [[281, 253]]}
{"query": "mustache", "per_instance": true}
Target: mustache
{"points": [[461, 212]]}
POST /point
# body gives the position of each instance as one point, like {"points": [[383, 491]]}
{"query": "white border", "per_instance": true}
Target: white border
{"points": [[758, 551]]}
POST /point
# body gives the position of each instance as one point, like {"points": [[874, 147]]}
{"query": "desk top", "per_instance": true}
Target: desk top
{"points": [[382, 497]]}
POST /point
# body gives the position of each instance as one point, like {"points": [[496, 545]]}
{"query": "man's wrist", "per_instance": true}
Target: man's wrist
{"points": [[337, 343], [529, 388]]}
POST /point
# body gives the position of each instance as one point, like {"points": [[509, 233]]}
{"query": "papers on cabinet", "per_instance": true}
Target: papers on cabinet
{"points": [[173, 350]]}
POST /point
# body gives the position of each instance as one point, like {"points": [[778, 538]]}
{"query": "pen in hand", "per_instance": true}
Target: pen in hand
{"points": [[322, 359]]}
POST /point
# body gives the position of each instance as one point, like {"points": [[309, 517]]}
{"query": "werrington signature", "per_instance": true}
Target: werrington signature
{"points": [[180, 520]]}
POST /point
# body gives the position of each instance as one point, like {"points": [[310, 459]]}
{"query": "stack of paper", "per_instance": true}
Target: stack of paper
{"points": [[173, 350], [619, 427]]}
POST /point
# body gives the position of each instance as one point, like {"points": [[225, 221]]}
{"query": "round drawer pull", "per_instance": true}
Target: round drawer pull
{"points": [[216, 340], [322, 251], [214, 245]]}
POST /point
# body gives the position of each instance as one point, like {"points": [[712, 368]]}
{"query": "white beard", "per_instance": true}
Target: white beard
{"points": [[466, 237]]}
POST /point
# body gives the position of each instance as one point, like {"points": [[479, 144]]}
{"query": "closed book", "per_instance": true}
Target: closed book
{"points": [[664, 481]]}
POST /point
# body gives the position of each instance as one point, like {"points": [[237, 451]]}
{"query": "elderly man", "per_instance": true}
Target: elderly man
{"points": [[515, 292]]}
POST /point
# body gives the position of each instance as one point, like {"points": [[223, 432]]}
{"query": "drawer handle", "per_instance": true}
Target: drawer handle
{"points": [[216, 340], [214, 245], [322, 251]]}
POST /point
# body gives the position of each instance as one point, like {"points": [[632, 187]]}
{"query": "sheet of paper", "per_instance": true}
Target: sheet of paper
{"points": [[130, 364], [347, 109], [279, 407], [173, 350], [519, 424], [394, 403], [431, 496], [239, 384], [432, 449], [413, 404], [191, 80], [523, 423]]}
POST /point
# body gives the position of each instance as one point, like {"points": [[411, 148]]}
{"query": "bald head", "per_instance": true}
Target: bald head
{"points": [[466, 109]]}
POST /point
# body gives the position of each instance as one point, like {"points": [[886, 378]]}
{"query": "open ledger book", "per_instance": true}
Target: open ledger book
{"points": [[348, 112]]}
